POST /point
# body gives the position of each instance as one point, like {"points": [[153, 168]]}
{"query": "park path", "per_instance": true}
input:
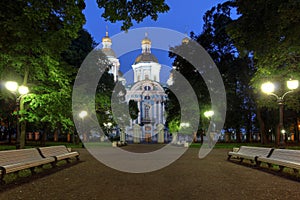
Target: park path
{"points": [[188, 178]]}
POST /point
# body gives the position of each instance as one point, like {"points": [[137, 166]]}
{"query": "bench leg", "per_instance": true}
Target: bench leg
{"points": [[229, 156], [77, 157], [2, 182], [296, 171], [241, 160], [257, 163], [68, 160], [53, 164], [269, 165], [280, 168], [32, 170]]}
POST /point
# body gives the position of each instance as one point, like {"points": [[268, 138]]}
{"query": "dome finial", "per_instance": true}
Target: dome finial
{"points": [[106, 33], [106, 40]]}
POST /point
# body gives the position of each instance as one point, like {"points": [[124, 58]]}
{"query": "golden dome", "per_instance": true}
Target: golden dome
{"points": [[185, 40], [106, 38], [146, 41], [145, 57]]}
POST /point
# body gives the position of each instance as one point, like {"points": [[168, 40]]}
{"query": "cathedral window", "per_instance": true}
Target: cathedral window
{"points": [[147, 88]]}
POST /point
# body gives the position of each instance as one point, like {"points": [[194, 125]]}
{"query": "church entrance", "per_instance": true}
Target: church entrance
{"points": [[148, 137]]}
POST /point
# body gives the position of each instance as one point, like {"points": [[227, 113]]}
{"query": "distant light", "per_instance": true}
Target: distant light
{"points": [[23, 89], [11, 86], [82, 114], [209, 113], [268, 87], [292, 84], [183, 124]]}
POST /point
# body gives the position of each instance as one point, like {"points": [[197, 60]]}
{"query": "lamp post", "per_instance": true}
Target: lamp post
{"points": [[20, 92], [107, 129], [208, 114], [82, 115], [269, 88]]}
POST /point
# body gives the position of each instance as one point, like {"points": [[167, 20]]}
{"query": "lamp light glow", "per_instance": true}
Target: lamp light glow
{"points": [[268, 87], [209, 113], [23, 89], [11, 86], [292, 84], [82, 114]]}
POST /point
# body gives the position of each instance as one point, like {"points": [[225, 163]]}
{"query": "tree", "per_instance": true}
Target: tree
{"points": [[31, 47], [236, 71], [127, 11], [277, 55], [268, 31]]}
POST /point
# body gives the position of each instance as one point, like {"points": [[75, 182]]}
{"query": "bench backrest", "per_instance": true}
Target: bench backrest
{"points": [[18, 156], [255, 151], [53, 151], [286, 154]]}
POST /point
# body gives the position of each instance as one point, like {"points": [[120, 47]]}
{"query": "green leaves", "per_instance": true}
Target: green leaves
{"points": [[270, 29], [127, 11]]}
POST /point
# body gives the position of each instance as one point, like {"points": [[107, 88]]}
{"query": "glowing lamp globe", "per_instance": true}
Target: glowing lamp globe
{"points": [[11, 86], [292, 84], [268, 87], [209, 113], [23, 89], [82, 114]]}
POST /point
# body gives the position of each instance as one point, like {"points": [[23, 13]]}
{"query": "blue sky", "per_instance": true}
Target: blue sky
{"points": [[183, 16]]}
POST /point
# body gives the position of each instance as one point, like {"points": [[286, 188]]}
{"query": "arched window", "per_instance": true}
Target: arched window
{"points": [[147, 88]]}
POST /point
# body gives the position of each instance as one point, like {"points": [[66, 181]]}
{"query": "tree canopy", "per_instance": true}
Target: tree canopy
{"points": [[127, 11], [269, 31]]}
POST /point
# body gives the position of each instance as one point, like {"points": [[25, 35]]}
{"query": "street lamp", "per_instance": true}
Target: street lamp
{"points": [[20, 92], [269, 88], [107, 128], [208, 114], [82, 115]]}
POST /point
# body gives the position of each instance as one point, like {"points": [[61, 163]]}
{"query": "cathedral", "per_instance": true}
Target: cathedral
{"points": [[146, 91]]}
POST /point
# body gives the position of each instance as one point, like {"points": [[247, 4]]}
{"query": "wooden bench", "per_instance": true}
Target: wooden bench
{"points": [[282, 158], [250, 153], [16, 160], [58, 153]]}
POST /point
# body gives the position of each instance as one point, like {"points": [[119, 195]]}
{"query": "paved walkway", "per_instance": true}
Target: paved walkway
{"points": [[188, 178]]}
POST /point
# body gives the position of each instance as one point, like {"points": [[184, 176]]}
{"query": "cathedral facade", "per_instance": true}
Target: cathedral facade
{"points": [[146, 91]]}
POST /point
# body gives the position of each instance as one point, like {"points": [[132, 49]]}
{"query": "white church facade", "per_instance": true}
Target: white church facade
{"points": [[146, 90]]}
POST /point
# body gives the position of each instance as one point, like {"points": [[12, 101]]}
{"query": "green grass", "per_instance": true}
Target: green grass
{"points": [[221, 145]]}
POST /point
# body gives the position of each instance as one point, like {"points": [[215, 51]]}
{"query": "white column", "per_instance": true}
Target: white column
{"points": [[162, 113], [159, 109], [139, 115]]}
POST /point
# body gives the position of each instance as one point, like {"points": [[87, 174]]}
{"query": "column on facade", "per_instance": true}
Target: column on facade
{"points": [[162, 113], [158, 111], [140, 113], [154, 109]]}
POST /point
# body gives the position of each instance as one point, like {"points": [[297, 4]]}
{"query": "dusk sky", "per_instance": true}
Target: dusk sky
{"points": [[183, 16]]}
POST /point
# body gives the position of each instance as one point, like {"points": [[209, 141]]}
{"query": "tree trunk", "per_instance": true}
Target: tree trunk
{"points": [[43, 136], [263, 136], [238, 136], [296, 137]]}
